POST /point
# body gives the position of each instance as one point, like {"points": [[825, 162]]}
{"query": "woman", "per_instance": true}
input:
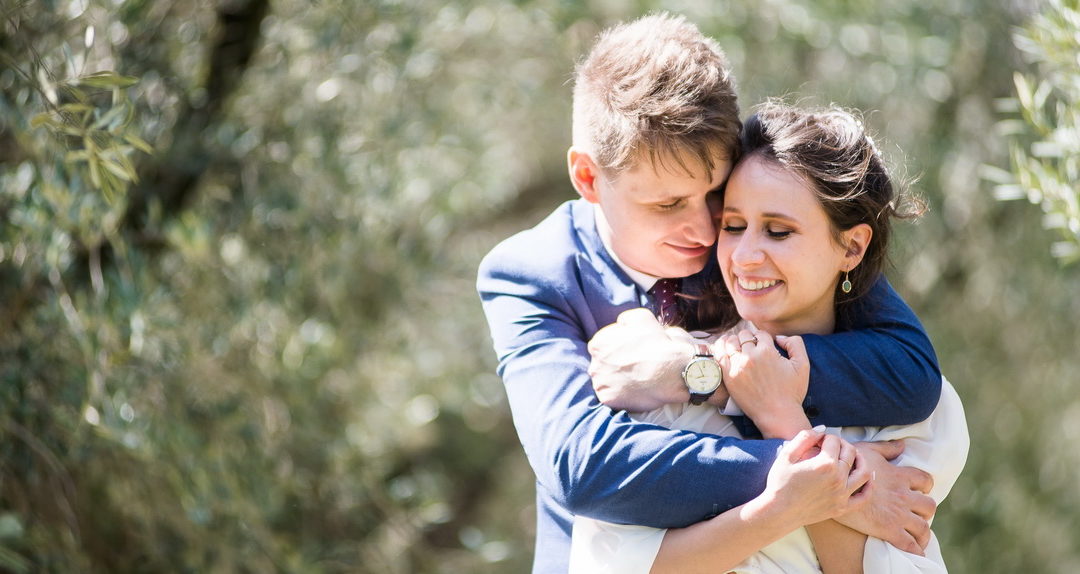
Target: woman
{"points": [[804, 233]]}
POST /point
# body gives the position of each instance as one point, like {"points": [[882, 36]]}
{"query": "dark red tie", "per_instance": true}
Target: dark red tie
{"points": [[664, 302]]}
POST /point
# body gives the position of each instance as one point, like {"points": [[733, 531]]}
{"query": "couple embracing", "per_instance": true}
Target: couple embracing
{"points": [[705, 365]]}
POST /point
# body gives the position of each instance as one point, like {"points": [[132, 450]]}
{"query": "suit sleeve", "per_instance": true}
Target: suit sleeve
{"points": [[593, 461], [880, 371]]}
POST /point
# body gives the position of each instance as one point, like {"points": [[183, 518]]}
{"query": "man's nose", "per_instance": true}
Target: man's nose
{"points": [[702, 228]]}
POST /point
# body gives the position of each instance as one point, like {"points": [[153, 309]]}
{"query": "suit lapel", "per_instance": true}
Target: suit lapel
{"points": [[607, 289]]}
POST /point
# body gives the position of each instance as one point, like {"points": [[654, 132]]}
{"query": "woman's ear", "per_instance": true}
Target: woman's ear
{"points": [[856, 240], [583, 174]]}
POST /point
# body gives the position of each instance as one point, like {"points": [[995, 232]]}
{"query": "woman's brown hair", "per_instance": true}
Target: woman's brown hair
{"points": [[829, 150]]}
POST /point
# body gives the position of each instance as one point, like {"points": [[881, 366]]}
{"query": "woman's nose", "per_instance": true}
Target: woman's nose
{"points": [[747, 251]]}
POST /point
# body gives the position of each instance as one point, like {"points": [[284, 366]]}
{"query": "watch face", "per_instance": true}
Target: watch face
{"points": [[702, 375]]}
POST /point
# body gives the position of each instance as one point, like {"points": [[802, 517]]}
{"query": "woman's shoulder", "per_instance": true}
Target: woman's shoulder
{"points": [[703, 418]]}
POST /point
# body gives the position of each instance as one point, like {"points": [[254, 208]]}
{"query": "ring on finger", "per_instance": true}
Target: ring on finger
{"points": [[747, 342]]}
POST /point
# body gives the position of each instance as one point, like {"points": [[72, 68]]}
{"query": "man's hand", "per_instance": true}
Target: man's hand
{"points": [[899, 509], [636, 365]]}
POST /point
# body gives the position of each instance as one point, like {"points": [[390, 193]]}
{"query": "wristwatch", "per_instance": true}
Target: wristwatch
{"points": [[702, 374]]}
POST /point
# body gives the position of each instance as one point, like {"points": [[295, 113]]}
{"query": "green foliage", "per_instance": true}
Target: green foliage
{"points": [[105, 137], [247, 379], [73, 166], [1046, 145], [238, 243]]}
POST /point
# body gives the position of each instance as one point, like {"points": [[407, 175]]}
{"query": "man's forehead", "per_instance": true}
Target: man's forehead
{"points": [[666, 165]]}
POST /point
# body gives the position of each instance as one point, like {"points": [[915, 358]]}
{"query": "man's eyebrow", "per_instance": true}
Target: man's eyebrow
{"points": [[667, 197]]}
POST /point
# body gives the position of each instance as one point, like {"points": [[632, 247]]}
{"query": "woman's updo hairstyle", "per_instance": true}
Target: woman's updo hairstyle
{"points": [[830, 150]]}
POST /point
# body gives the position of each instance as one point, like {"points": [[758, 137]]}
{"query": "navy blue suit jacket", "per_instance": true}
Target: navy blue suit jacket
{"points": [[548, 289]]}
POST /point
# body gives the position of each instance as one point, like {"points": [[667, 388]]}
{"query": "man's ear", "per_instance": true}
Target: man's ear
{"points": [[856, 240], [583, 174]]}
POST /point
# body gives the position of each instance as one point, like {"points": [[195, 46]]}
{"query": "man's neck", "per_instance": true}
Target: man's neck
{"points": [[642, 280]]}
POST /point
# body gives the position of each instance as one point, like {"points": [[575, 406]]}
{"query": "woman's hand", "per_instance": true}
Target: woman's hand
{"points": [[817, 477], [767, 387]]}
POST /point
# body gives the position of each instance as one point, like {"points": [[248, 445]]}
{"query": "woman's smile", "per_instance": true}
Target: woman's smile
{"points": [[756, 286]]}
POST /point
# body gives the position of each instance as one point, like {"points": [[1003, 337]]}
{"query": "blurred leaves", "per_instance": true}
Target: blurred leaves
{"points": [[101, 139], [1045, 147], [235, 379], [238, 247]]}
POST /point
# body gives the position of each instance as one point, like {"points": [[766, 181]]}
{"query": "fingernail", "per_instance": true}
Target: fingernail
{"points": [[819, 429]]}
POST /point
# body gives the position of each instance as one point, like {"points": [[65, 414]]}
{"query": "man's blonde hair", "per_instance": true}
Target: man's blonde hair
{"points": [[655, 88]]}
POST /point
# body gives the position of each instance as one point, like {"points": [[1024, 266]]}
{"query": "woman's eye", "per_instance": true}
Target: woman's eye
{"points": [[778, 234], [733, 229]]}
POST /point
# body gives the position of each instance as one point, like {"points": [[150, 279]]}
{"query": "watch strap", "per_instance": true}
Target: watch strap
{"points": [[698, 398]]}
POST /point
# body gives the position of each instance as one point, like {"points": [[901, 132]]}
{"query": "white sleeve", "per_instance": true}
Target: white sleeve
{"points": [[880, 556], [939, 446], [599, 547]]}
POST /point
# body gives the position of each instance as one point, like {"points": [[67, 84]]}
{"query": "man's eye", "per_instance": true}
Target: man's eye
{"points": [[733, 229], [671, 205]]}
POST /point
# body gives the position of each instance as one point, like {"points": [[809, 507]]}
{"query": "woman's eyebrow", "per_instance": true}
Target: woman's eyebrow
{"points": [[767, 215], [777, 215]]}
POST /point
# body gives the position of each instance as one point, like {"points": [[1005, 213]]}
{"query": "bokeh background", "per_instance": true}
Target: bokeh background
{"points": [[238, 245]]}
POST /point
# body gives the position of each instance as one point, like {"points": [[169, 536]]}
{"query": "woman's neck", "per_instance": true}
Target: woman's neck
{"points": [[799, 326]]}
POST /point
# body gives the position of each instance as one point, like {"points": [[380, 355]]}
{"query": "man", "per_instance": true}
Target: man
{"points": [[655, 127]]}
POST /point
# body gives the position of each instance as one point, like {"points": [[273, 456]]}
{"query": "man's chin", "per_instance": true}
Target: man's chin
{"points": [[688, 269]]}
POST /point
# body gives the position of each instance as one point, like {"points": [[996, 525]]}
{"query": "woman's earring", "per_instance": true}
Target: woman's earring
{"points": [[846, 285]]}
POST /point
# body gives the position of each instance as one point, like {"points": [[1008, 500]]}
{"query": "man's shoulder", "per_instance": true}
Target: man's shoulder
{"points": [[544, 251]]}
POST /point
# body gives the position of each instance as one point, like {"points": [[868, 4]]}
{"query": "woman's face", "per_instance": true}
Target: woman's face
{"points": [[777, 251]]}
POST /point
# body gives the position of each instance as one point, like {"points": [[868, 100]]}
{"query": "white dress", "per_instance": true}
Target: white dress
{"points": [[938, 445]]}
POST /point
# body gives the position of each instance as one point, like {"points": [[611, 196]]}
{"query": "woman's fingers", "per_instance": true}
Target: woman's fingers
{"points": [[723, 360], [797, 448], [860, 479], [747, 340], [847, 455], [764, 341], [730, 344], [830, 447], [846, 460]]}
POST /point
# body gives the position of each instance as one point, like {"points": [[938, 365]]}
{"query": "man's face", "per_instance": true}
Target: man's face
{"points": [[659, 219]]}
